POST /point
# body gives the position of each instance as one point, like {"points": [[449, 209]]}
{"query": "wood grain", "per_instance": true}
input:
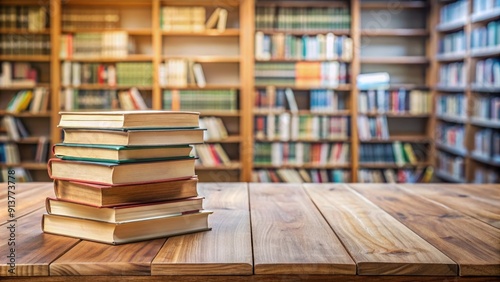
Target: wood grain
{"points": [[290, 236], [28, 197], [34, 250], [471, 243], [482, 202], [225, 250], [378, 243], [90, 258]]}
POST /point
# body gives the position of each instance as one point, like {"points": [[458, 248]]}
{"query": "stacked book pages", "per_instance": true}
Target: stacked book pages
{"points": [[125, 176]]}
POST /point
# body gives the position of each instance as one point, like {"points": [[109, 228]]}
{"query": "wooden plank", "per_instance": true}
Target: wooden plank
{"points": [[290, 236], [225, 250], [28, 197], [480, 202], [90, 258], [473, 244], [33, 249], [378, 243]]}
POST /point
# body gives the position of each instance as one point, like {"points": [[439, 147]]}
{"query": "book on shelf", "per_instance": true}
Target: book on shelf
{"points": [[78, 18], [395, 176], [9, 154], [391, 153], [130, 137], [25, 45], [199, 75], [201, 100], [450, 165], [129, 119], [124, 213], [22, 174], [119, 154], [19, 74], [15, 128], [372, 127], [485, 37], [301, 175], [483, 6], [454, 12], [107, 44], [453, 43], [486, 175], [451, 135], [42, 150], [486, 145], [78, 99], [222, 21], [20, 102], [100, 195], [113, 173], [488, 72], [454, 105], [452, 75], [211, 155], [212, 20], [487, 108], [216, 130], [182, 18], [378, 80], [394, 101], [32, 18], [125, 232]]}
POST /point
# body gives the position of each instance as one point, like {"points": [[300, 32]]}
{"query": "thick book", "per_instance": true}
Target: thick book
{"points": [[99, 195], [129, 119], [113, 173], [124, 213], [134, 137], [119, 154], [120, 233]]}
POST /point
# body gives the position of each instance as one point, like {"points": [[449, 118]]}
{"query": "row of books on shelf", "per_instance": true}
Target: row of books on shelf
{"points": [[201, 100], [22, 174], [487, 107], [75, 99], [486, 175], [82, 18], [283, 46], [307, 74], [487, 145], [481, 6], [451, 135], [395, 101], [121, 74], [108, 44], [286, 126], [488, 73], [453, 43], [452, 75], [24, 44], [373, 128], [211, 155], [419, 175], [32, 18], [451, 105], [451, 165], [181, 73], [216, 130], [485, 37], [300, 153], [192, 19], [15, 128], [33, 101], [395, 153], [9, 153], [301, 175], [454, 12], [302, 18], [18, 74]]}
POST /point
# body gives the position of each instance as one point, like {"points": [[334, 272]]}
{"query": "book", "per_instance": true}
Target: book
{"points": [[134, 137], [212, 20], [118, 154], [112, 173], [129, 119], [221, 23], [120, 233], [111, 195], [124, 213]]}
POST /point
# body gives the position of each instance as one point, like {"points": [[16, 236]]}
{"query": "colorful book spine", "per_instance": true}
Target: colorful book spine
{"points": [[487, 108], [301, 175], [200, 100], [394, 101], [452, 106]]}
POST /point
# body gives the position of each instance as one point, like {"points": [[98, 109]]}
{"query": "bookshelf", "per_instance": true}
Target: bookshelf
{"points": [[467, 121]]}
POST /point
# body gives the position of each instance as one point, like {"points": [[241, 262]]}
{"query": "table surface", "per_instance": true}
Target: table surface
{"points": [[284, 232]]}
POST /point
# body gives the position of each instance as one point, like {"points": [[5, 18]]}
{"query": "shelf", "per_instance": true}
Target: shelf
{"points": [[484, 160], [392, 165], [407, 86], [128, 58], [25, 114], [305, 140], [452, 150], [219, 113], [143, 32], [206, 59], [451, 88], [25, 58], [341, 87], [395, 115], [489, 15], [27, 165], [233, 166], [451, 26], [261, 112], [229, 139], [305, 166], [22, 31], [230, 3], [395, 32], [455, 119], [392, 6], [207, 87], [452, 57], [485, 52], [24, 87], [28, 140], [446, 176], [300, 60], [406, 60], [485, 122], [209, 32], [408, 139], [106, 87], [306, 32], [486, 89], [298, 4]]}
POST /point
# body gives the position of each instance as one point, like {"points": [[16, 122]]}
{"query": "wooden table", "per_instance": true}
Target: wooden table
{"points": [[283, 232]]}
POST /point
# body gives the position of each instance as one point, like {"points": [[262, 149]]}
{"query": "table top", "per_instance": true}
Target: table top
{"points": [[286, 232]]}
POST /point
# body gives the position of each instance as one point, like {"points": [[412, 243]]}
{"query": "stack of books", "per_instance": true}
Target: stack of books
{"points": [[125, 176]]}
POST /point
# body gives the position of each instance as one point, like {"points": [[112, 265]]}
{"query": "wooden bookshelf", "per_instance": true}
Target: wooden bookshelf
{"points": [[397, 32], [404, 60], [25, 58]]}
